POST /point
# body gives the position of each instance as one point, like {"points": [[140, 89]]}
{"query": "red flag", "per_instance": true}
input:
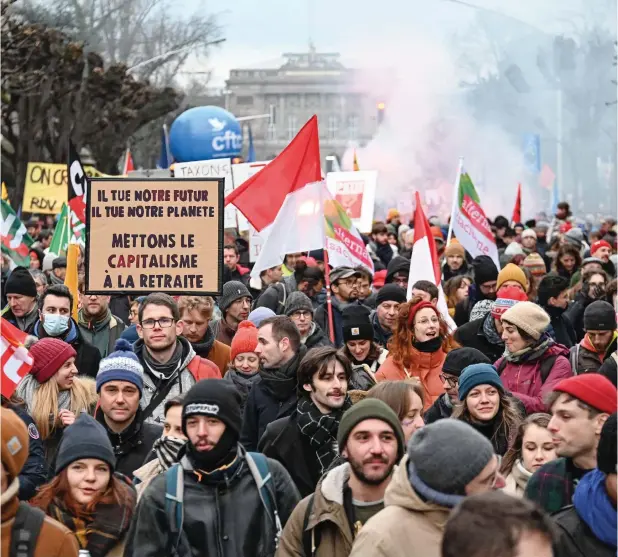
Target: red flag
{"points": [[517, 209], [16, 360], [262, 195], [128, 163]]}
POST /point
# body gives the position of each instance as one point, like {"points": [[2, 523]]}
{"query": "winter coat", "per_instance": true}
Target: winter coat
{"points": [[317, 338], [88, 356], [103, 336], [213, 350], [575, 314], [133, 445], [380, 335], [576, 539], [243, 382], [610, 368], [408, 526], [225, 334], [328, 516], [120, 306], [321, 318], [584, 357], [524, 379], [427, 366], [54, 540], [268, 402], [560, 327], [551, 487], [440, 409], [27, 323], [471, 334], [224, 517], [517, 480], [145, 474]]}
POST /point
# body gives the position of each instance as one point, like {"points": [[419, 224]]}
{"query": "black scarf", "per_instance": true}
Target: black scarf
{"points": [[494, 431], [430, 346], [281, 382], [320, 429], [554, 312], [203, 347], [167, 369], [222, 454]]}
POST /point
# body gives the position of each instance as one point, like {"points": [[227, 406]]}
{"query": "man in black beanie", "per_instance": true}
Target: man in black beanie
{"points": [[599, 342], [553, 297], [384, 318], [20, 291], [219, 487], [484, 287], [454, 363]]}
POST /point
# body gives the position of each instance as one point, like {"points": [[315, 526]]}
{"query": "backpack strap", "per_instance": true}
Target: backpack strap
{"points": [[310, 544], [258, 465], [174, 496], [25, 532], [281, 297], [574, 357], [546, 366]]}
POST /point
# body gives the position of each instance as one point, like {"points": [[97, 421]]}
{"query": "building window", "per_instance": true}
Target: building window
{"points": [[313, 100], [333, 126], [244, 100], [292, 127], [271, 132], [353, 125], [293, 101]]}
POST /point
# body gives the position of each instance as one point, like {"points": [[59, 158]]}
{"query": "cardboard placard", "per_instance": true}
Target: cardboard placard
{"points": [[242, 172], [214, 168], [355, 192], [256, 241], [147, 235]]}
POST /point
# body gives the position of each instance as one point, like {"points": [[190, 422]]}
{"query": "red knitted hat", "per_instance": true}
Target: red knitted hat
{"points": [[418, 307], [593, 389], [245, 339], [48, 355], [599, 244]]}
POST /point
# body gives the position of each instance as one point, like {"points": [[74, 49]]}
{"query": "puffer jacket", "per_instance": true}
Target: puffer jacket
{"points": [[524, 379], [407, 527], [328, 516], [427, 366], [224, 518]]}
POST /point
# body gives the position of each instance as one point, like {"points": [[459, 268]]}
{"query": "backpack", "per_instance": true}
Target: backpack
{"points": [[25, 532], [174, 495], [573, 357], [546, 366]]}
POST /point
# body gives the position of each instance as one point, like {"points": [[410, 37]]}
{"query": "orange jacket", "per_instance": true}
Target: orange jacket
{"points": [[219, 355]]}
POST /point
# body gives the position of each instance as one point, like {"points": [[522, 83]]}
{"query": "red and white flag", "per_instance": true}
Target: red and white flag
{"points": [[424, 263], [16, 360], [128, 163]]}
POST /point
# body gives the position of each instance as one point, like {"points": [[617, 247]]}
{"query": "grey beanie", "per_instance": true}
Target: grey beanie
{"points": [[448, 454], [232, 291], [297, 301]]}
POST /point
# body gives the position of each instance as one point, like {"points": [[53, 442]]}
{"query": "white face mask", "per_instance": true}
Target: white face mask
{"points": [[55, 324]]}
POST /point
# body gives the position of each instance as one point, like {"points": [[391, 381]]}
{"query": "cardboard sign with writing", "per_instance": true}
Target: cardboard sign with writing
{"points": [[355, 192], [214, 168], [148, 235]]}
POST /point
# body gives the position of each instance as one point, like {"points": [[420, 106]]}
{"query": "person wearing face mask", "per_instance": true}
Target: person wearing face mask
{"points": [[553, 297], [55, 321], [533, 446], [419, 345], [244, 366]]}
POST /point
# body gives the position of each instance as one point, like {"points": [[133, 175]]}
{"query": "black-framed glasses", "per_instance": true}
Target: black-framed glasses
{"points": [[164, 323], [452, 381]]}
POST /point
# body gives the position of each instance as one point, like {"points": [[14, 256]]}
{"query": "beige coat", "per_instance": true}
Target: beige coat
{"points": [[145, 474], [517, 480], [407, 527]]}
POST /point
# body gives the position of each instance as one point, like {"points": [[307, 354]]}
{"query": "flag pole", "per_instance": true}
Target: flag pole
{"points": [[329, 303], [455, 200]]}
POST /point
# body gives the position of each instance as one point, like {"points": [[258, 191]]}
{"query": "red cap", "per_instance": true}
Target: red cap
{"points": [[48, 354], [379, 277], [245, 339], [418, 307], [593, 389], [310, 261], [598, 245]]}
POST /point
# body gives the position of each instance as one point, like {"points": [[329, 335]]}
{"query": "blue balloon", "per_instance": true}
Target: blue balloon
{"points": [[203, 133]]}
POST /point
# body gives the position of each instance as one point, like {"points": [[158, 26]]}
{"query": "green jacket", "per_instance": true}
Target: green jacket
{"points": [[102, 334]]}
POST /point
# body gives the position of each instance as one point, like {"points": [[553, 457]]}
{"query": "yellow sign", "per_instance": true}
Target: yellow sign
{"points": [[46, 187], [5, 194]]}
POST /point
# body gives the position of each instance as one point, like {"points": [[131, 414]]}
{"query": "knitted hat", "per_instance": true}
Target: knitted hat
{"points": [[459, 359], [20, 282], [575, 236], [589, 260], [606, 451], [454, 248], [392, 214], [598, 245], [437, 233], [297, 301], [528, 233], [512, 272], [260, 314], [506, 298], [356, 323], [245, 339], [121, 365], [448, 454], [48, 355], [232, 291], [592, 389], [550, 287], [485, 269], [59, 262], [535, 264], [529, 317], [48, 261], [14, 449], [481, 309], [391, 293], [368, 409], [84, 438], [478, 374], [216, 398], [514, 249], [600, 316], [418, 307]]}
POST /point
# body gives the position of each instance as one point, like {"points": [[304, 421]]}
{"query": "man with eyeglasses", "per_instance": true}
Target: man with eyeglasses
{"points": [[171, 366], [298, 308], [446, 462]]}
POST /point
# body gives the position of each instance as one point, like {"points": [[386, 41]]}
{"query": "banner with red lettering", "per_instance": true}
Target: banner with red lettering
{"points": [[16, 360]]}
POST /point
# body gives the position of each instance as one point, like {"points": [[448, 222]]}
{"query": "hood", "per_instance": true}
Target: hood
{"points": [[331, 486], [558, 350], [397, 264]]}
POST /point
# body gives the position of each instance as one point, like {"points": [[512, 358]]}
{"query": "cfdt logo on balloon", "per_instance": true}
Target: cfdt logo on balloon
{"points": [[204, 133]]}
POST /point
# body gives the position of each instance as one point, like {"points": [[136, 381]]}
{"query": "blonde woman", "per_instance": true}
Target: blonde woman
{"points": [[53, 393]]}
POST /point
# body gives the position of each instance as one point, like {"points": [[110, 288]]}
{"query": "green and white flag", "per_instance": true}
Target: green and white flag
{"points": [[16, 241], [62, 233]]}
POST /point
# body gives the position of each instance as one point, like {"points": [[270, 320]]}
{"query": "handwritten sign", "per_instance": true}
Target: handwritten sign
{"points": [[154, 236]]}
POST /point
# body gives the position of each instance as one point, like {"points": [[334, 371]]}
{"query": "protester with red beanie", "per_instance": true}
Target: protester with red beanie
{"points": [[603, 249], [579, 405], [244, 365]]}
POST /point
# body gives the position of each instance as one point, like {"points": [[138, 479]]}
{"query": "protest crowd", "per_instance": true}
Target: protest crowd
{"points": [[320, 410]]}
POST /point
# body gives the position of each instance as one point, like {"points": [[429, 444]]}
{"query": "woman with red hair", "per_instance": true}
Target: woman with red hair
{"points": [[418, 347]]}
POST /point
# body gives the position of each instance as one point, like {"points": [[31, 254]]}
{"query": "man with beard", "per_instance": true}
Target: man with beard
{"points": [[384, 318], [235, 305], [273, 395], [196, 314], [299, 309], [306, 442], [599, 341], [603, 249], [484, 288], [325, 523], [594, 287], [553, 297], [171, 366], [344, 288], [223, 510]]}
